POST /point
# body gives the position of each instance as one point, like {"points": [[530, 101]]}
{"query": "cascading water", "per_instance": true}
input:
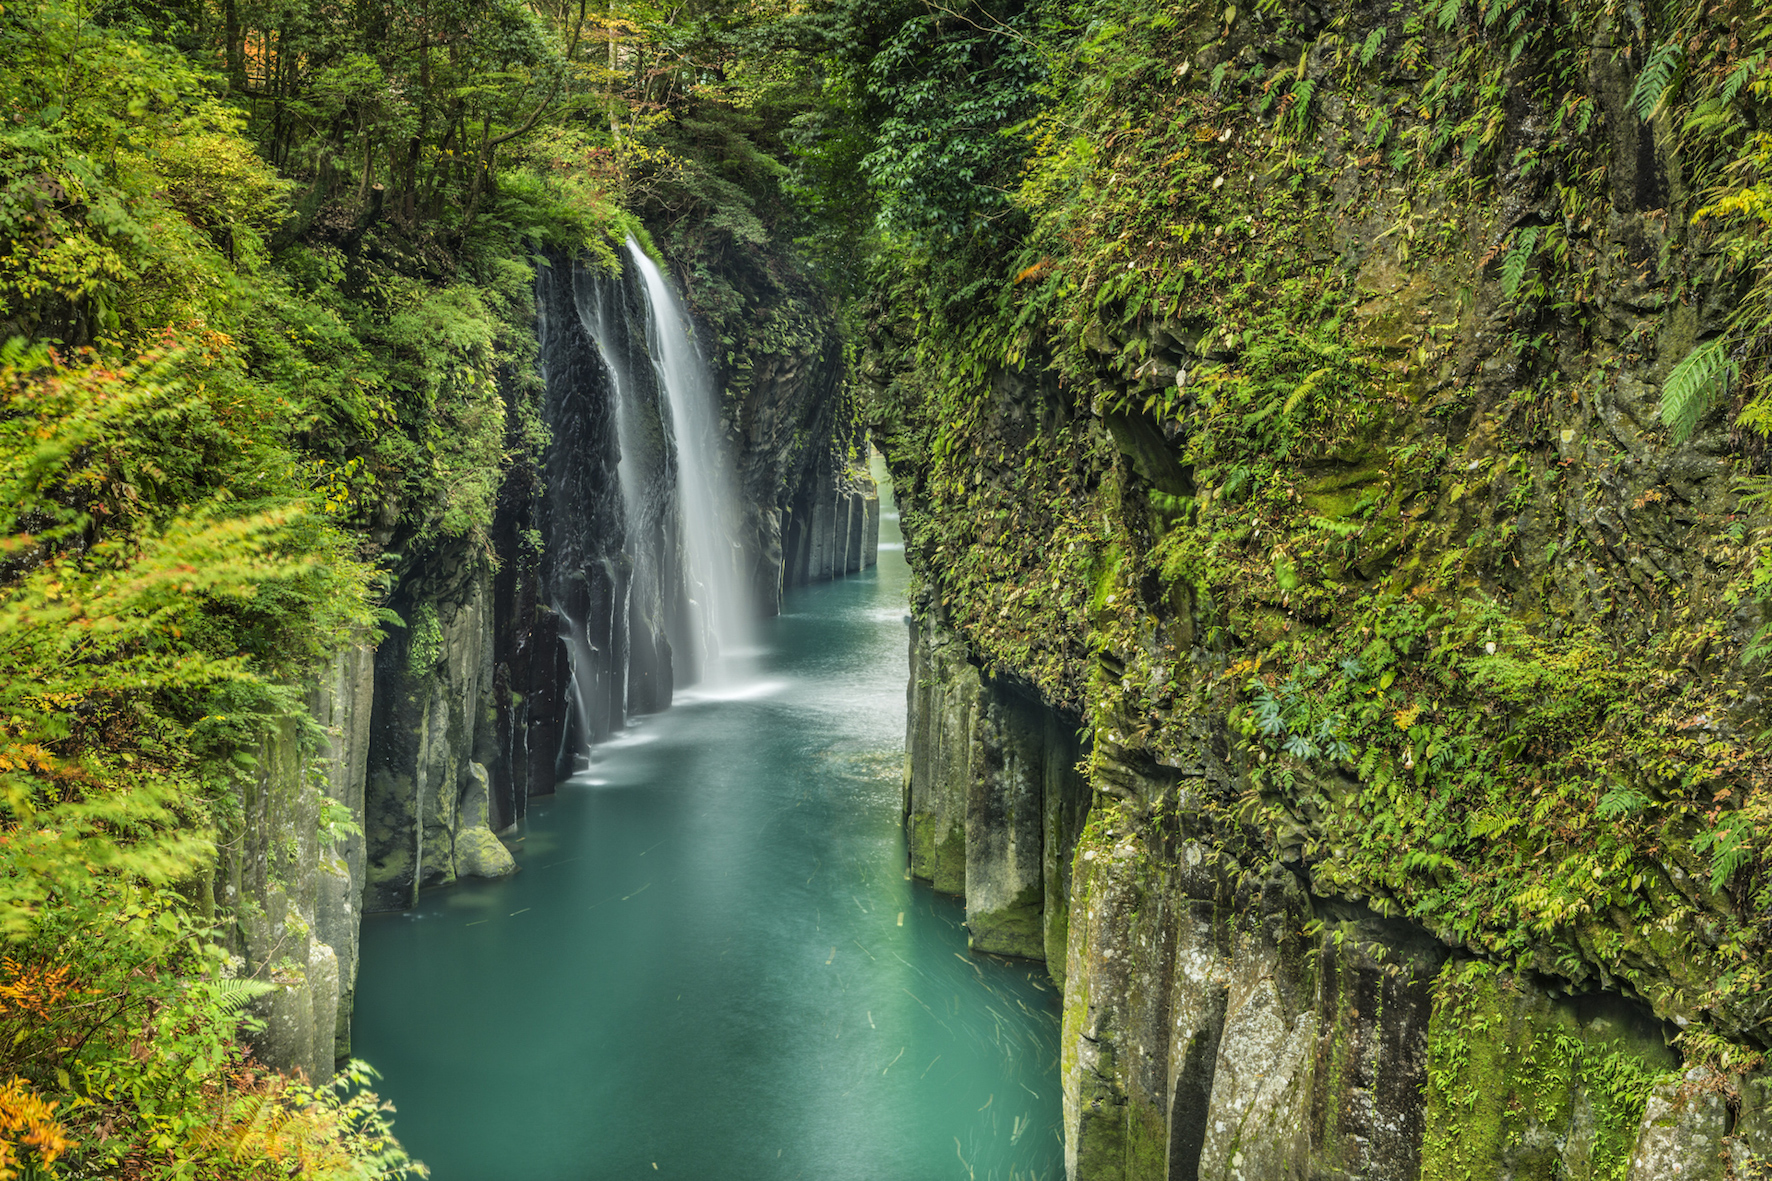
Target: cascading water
{"points": [[641, 575], [600, 314], [646, 469], [705, 485], [610, 577]]}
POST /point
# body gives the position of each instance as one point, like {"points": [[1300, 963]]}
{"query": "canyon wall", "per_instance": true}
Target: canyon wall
{"points": [[1312, 471], [1221, 1020], [292, 871]]}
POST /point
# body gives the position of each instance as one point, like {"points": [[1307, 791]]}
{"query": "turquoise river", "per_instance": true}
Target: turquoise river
{"points": [[713, 964]]}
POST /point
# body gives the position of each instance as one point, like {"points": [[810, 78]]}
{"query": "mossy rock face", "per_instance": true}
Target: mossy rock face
{"points": [[942, 756], [948, 871], [1017, 929], [1401, 574], [392, 820], [1335, 495], [1526, 1086], [1749, 1146], [1291, 434]]}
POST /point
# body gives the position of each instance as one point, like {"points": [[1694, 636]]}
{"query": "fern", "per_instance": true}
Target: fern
{"points": [[1301, 106], [232, 995], [1730, 844], [1694, 387], [1758, 648], [1739, 77], [1756, 416], [1370, 50], [1513, 268], [1449, 13], [1304, 390], [1656, 80], [1619, 802]]}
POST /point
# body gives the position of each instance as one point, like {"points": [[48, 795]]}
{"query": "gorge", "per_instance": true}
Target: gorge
{"points": [[447, 614], [713, 961]]}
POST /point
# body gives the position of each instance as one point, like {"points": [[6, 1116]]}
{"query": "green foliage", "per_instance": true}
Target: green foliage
{"points": [[1204, 446], [117, 969], [1694, 386], [167, 576], [943, 98], [1726, 87], [127, 199], [1502, 1072], [425, 647], [1656, 80], [1513, 268], [161, 559]]}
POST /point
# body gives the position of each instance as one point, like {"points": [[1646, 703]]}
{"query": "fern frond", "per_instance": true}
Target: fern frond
{"points": [[1656, 80], [1304, 390], [1370, 50], [1513, 268], [235, 994], [1694, 386], [1758, 648], [1301, 108], [1740, 75], [1756, 416], [1449, 13]]}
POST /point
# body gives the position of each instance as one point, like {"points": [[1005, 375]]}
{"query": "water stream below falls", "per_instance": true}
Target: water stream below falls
{"points": [[712, 964]]}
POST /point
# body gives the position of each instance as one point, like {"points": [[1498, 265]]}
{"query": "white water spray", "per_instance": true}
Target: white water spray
{"points": [[593, 314], [706, 488]]}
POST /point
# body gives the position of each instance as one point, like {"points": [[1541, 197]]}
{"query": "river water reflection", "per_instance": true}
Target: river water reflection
{"points": [[712, 964]]}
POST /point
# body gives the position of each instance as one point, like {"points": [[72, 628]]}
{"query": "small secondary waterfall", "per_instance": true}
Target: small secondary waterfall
{"points": [[596, 300], [706, 488]]}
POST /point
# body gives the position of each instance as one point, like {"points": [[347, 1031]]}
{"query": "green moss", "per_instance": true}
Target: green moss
{"points": [[949, 861], [1447, 691], [1015, 929], [1342, 494], [938, 856], [424, 640], [1519, 1087], [1147, 1141], [920, 833]]}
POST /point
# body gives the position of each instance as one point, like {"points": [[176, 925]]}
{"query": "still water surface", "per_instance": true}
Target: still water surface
{"points": [[712, 964]]}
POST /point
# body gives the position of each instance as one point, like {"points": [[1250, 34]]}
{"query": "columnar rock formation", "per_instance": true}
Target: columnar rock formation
{"points": [[292, 874], [1222, 1020]]}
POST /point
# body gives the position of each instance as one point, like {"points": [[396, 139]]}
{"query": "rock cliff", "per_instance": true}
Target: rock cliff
{"points": [[292, 875], [1310, 467], [478, 704]]}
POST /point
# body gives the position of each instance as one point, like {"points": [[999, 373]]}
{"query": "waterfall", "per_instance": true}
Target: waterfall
{"points": [[601, 315], [640, 579], [706, 487], [646, 475], [633, 567]]}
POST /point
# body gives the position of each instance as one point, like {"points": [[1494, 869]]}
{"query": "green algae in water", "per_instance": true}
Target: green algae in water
{"points": [[702, 964]]}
